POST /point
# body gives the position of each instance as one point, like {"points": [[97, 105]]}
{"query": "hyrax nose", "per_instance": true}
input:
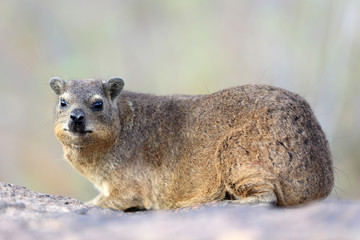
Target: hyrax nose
{"points": [[77, 116]]}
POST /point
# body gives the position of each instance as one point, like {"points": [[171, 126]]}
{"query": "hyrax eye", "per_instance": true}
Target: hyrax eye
{"points": [[63, 103], [97, 106]]}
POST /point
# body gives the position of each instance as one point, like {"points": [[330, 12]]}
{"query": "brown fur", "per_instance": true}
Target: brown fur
{"points": [[248, 144]]}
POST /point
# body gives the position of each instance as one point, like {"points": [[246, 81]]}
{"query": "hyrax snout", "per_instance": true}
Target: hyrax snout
{"points": [[248, 144], [77, 121]]}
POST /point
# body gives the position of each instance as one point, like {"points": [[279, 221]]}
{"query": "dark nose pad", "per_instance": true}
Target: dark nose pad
{"points": [[77, 120], [77, 116]]}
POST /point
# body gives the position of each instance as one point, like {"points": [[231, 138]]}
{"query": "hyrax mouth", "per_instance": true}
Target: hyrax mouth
{"points": [[78, 131]]}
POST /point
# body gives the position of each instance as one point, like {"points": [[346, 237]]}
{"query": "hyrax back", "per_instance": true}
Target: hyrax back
{"points": [[248, 144]]}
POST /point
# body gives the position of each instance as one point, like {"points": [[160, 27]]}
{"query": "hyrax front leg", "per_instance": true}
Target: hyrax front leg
{"points": [[99, 198], [120, 202], [245, 167], [110, 203]]}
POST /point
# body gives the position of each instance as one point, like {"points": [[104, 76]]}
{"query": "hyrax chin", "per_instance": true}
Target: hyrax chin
{"points": [[248, 144]]}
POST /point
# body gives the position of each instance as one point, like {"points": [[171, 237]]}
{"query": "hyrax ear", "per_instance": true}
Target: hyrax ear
{"points": [[57, 85], [113, 87]]}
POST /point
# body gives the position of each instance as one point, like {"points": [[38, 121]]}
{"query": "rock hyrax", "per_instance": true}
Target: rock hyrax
{"points": [[247, 144]]}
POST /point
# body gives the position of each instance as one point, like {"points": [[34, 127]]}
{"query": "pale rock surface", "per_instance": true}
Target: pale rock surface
{"points": [[25, 214]]}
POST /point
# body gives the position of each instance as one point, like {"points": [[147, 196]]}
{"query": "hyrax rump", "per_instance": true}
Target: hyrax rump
{"points": [[247, 144]]}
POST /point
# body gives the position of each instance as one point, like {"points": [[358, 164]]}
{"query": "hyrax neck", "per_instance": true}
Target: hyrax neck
{"points": [[84, 160]]}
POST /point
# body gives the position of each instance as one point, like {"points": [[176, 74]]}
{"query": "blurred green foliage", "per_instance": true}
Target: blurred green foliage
{"points": [[170, 47]]}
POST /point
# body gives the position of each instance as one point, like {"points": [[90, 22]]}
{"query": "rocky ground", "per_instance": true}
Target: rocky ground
{"points": [[25, 214]]}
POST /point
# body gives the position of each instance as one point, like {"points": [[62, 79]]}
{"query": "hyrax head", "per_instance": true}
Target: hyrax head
{"points": [[86, 114]]}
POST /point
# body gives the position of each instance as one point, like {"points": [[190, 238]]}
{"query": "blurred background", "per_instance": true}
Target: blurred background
{"points": [[172, 47]]}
